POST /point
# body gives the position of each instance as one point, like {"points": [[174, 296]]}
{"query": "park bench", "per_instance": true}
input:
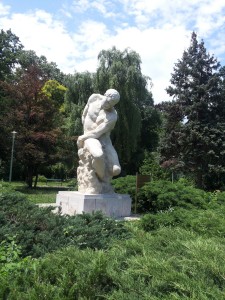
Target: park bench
{"points": [[53, 180]]}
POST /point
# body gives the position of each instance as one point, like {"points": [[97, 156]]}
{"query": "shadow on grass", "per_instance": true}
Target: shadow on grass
{"points": [[41, 194], [42, 189]]}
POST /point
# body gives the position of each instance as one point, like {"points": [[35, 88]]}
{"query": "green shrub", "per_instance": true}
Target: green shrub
{"points": [[162, 195], [171, 264], [210, 223], [125, 185], [72, 183], [42, 178], [219, 197], [39, 231]]}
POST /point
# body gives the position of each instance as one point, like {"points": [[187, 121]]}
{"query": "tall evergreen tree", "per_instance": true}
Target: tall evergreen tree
{"points": [[194, 132]]}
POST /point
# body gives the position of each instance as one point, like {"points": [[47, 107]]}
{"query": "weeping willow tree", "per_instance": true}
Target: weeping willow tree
{"points": [[121, 70], [79, 87]]}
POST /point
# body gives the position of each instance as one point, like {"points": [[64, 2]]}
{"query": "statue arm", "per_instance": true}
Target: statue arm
{"points": [[92, 98], [84, 113], [100, 130], [96, 133]]}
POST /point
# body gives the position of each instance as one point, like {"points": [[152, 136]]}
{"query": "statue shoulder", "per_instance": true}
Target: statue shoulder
{"points": [[94, 97], [111, 116]]}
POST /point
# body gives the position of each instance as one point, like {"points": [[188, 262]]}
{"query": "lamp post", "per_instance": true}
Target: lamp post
{"points": [[11, 161]]}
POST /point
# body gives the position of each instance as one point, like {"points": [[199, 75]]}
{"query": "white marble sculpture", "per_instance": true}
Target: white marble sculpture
{"points": [[98, 160]]}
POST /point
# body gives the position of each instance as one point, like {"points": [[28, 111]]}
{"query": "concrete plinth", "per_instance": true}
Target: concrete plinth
{"points": [[113, 205]]}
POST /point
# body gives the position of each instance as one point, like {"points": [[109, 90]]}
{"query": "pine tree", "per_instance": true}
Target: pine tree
{"points": [[194, 131]]}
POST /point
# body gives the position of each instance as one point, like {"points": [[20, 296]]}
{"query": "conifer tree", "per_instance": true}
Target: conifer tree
{"points": [[194, 132]]}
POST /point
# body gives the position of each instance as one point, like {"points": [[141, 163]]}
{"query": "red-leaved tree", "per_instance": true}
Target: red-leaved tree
{"points": [[36, 119]]}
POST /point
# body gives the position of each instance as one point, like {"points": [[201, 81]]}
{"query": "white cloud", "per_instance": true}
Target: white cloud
{"points": [[4, 9], [38, 31], [80, 6], [159, 34]]}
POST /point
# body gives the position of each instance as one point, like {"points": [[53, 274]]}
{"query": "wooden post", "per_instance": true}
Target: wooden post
{"points": [[135, 202]]}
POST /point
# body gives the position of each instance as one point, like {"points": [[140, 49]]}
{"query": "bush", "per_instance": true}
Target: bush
{"points": [[171, 264], [125, 185], [72, 183], [162, 195], [210, 223], [39, 231], [42, 178]]}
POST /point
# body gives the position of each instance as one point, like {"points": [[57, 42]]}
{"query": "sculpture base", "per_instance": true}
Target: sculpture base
{"points": [[112, 205]]}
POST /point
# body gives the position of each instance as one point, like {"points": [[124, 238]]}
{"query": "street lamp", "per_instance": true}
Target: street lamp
{"points": [[11, 161]]}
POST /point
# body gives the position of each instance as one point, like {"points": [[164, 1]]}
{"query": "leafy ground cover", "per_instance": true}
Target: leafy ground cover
{"points": [[172, 253], [172, 263]]}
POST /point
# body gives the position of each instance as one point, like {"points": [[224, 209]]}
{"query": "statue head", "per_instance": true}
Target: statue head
{"points": [[112, 97]]}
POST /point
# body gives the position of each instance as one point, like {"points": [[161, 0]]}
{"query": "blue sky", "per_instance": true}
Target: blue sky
{"points": [[73, 32]]}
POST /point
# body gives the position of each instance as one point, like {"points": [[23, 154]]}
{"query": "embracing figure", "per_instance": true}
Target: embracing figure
{"points": [[98, 159]]}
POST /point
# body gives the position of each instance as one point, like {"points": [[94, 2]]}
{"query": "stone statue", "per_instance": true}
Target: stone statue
{"points": [[98, 160]]}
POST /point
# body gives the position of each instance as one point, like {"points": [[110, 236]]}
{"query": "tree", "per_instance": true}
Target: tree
{"points": [[79, 88], [122, 71], [49, 69], [194, 131], [10, 49], [55, 91], [36, 119]]}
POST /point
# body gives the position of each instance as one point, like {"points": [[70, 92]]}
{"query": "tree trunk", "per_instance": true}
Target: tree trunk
{"points": [[199, 180], [29, 177], [36, 180]]}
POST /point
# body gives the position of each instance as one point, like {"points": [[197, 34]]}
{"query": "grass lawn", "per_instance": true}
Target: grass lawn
{"points": [[43, 193]]}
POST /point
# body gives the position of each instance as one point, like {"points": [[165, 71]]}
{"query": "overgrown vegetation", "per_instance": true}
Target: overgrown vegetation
{"points": [[177, 249], [175, 252], [39, 230], [172, 263]]}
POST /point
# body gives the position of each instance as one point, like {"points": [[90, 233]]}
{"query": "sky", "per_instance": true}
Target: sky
{"points": [[71, 33]]}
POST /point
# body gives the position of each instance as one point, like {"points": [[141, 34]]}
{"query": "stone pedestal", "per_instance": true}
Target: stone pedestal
{"points": [[113, 205]]}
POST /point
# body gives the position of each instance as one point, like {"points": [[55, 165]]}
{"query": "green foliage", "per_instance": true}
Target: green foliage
{"points": [[36, 119], [182, 257], [162, 195], [59, 170], [52, 89], [10, 49], [9, 253], [93, 231], [42, 193], [125, 185], [39, 231], [173, 263], [50, 70], [121, 70], [41, 178], [72, 183], [194, 131], [10, 263], [208, 222], [151, 166]]}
